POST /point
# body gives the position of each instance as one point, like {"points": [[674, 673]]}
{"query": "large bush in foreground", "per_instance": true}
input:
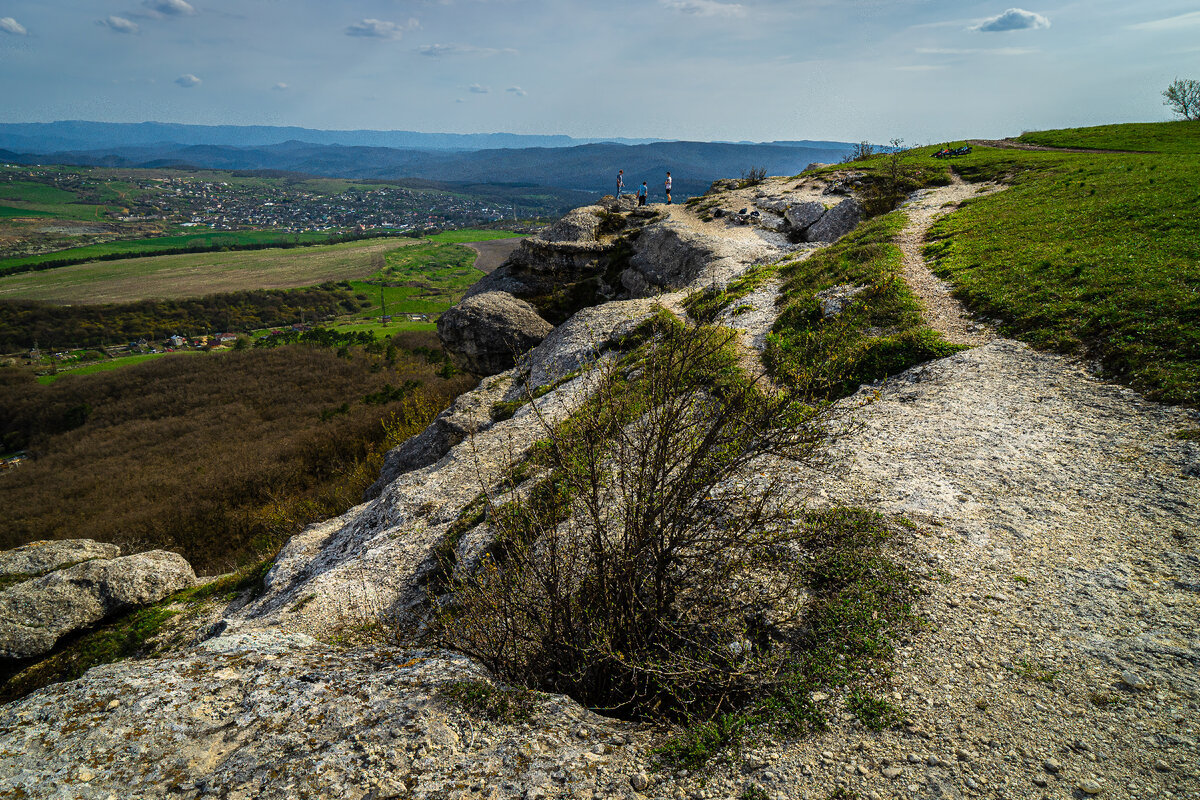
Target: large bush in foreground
{"points": [[638, 566]]}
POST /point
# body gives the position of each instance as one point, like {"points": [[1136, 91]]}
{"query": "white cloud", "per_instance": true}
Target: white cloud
{"points": [[439, 50], [1170, 23], [188, 81], [706, 8], [517, 90], [119, 24], [280, 87], [380, 28], [475, 88], [170, 8], [1014, 19], [10, 25], [921, 68]]}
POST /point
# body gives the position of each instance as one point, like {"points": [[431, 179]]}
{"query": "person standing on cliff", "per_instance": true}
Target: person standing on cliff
{"points": [[620, 182], [642, 191], [667, 184]]}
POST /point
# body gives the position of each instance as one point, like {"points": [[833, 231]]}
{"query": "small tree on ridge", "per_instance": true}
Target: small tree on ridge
{"points": [[1183, 97]]}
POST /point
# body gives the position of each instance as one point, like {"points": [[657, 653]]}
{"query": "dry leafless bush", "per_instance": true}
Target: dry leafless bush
{"points": [[639, 570]]}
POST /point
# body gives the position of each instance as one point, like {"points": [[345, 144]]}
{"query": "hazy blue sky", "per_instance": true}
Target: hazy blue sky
{"points": [[922, 70]]}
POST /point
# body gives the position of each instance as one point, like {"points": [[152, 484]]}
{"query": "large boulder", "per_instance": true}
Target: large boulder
{"points": [[802, 216], [486, 332], [35, 614], [836, 222], [37, 558]]}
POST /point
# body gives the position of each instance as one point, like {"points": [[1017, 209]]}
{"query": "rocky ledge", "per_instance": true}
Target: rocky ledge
{"points": [[70, 585]]}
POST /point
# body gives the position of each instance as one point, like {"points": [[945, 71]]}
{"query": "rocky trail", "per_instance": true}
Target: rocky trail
{"points": [[943, 312], [1056, 524]]}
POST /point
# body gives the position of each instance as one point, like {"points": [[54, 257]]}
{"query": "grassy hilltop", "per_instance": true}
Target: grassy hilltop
{"points": [[1090, 253]]}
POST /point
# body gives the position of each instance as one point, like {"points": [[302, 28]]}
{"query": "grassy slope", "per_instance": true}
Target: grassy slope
{"points": [[1096, 254], [1088, 253], [1151, 137]]}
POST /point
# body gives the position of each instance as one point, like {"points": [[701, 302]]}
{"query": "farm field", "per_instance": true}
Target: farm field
{"points": [[426, 278], [106, 366], [139, 247], [198, 274]]}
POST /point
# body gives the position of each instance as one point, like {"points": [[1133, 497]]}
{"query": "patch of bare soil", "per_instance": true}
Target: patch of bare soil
{"points": [[492, 253]]}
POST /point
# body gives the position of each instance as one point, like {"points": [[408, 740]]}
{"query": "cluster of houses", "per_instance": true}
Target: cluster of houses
{"points": [[225, 205]]}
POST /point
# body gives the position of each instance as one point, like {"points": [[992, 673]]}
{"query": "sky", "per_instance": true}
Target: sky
{"points": [[923, 71]]}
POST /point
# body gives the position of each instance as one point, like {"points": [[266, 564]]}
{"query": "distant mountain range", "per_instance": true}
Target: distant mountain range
{"points": [[558, 161]]}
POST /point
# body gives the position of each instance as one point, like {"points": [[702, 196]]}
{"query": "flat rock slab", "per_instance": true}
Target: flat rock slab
{"points": [[272, 718], [35, 614], [37, 558]]}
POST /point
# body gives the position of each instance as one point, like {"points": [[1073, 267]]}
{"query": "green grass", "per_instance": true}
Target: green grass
{"points": [[33, 196], [472, 235], [1180, 137], [378, 328], [879, 333], [35, 193], [8, 212], [1091, 254], [424, 278], [138, 247], [105, 366]]}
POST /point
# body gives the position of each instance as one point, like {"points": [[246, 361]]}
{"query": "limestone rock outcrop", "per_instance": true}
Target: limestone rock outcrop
{"points": [[836, 222], [486, 332], [36, 613], [37, 558]]}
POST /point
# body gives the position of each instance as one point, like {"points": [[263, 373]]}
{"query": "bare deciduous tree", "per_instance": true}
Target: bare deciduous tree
{"points": [[1183, 97]]}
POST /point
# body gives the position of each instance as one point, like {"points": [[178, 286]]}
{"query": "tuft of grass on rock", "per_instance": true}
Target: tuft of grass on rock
{"points": [[500, 703]]}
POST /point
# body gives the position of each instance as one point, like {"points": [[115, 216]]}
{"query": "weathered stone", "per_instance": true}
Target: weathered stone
{"points": [[803, 215], [35, 614], [836, 222], [36, 558], [470, 413], [835, 299], [486, 332]]}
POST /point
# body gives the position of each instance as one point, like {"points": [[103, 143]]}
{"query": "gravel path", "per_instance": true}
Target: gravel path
{"points": [[943, 312]]}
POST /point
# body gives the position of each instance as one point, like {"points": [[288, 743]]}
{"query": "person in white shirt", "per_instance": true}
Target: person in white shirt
{"points": [[668, 187]]}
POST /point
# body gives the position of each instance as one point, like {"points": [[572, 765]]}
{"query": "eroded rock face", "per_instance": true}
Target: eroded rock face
{"points": [[836, 222], [36, 558], [35, 614], [802, 215], [486, 332]]}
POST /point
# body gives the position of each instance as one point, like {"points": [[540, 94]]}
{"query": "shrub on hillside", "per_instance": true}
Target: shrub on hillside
{"points": [[637, 570]]}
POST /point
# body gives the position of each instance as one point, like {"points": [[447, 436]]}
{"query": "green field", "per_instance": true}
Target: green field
{"points": [[1095, 254], [105, 366], [138, 247], [426, 278], [199, 274], [8, 212], [472, 235], [1150, 137], [31, 196]]}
